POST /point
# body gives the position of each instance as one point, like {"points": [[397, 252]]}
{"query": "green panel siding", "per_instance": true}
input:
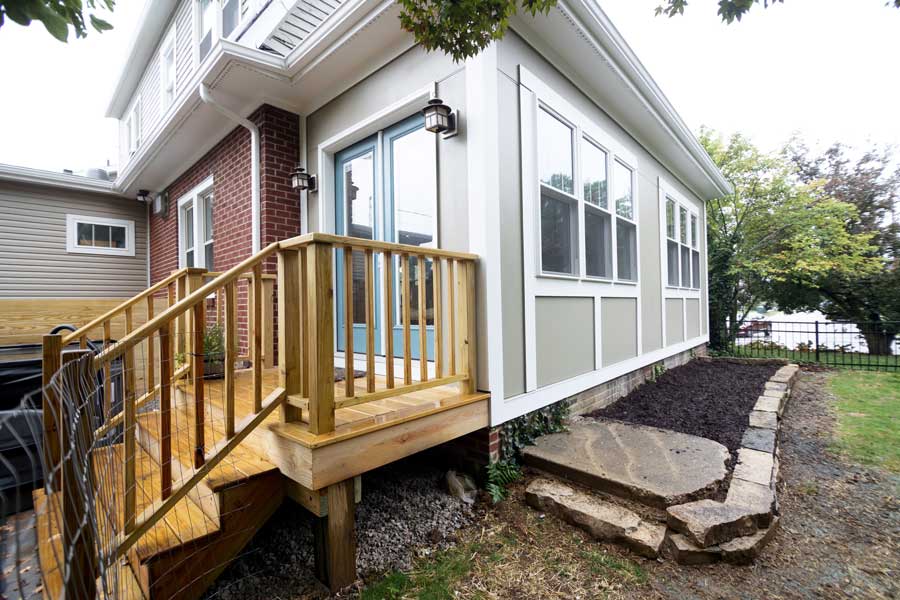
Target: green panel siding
{"points": [[674, 321], [618, 322], [565, 338]]}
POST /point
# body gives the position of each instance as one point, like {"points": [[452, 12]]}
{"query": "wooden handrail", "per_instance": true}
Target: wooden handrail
{"points": [[115, 311], [379, 246]]}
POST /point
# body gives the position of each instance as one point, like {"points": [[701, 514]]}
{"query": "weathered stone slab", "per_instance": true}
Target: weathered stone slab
{"points": [[775, 393], [765, 420], [758, 438], [603, 520], [754, 466], [684, 552], [768, 404], [708, 523], [781, 378], [757, 499], [778, 387], [744, 550], [655, 466]]}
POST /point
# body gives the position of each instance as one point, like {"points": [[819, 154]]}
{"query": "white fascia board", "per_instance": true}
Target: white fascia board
{"points": [[149, 30], [68, 181], [603, 29]]}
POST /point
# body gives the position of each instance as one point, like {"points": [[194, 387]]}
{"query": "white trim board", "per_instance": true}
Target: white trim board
{"points": [[73, 247], [537, 399]]}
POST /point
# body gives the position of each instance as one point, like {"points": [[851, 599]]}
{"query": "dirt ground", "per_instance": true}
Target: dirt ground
{"points": [[689, 398], [840, 536]]}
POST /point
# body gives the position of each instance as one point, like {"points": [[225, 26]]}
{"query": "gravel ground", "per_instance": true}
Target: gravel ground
{"points": [[710, 399], [405, 512], [840, 535]]}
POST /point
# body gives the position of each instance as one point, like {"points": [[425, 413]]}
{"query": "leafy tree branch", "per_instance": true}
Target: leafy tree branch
{"points": [[57, 15]]}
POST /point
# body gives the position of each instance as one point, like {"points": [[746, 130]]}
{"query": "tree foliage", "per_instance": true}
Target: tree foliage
{"points": [[463, 28], [773, 230], [871, 184], [57, 15], [730, 10]]}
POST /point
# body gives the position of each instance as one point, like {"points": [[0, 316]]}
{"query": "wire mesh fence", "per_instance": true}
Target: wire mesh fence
{"points": [[868, 345], [91, 457]]}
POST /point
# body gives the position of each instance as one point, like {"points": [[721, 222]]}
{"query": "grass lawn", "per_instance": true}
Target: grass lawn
{"points": [[514, 552], [868, 417]]}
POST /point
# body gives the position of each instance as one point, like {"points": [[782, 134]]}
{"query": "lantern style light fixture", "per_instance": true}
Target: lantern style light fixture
{"points": [[439, 118], [301, 180], [143, 196]]}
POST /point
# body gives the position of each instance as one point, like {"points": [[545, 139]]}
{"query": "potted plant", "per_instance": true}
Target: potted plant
{"points": [[214, 352]]}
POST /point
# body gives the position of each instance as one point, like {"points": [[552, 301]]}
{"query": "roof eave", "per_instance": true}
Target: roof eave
{"points": [[19, 174]]}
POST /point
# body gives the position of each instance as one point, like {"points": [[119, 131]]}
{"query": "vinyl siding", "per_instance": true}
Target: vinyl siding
{"points": [[34, 262]]}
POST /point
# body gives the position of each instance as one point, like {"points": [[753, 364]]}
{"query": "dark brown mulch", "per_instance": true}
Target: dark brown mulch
{"points": [[710, 399]]}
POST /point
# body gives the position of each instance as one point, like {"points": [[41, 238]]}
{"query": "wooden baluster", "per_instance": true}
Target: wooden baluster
{"points": [[79, 570], [320, 336], [230, 296], [423, 320], [107, 373], [129, 433], [151, 349], [268, 322], [256, 341], [304, 324], [220, 293], [52, 407], [404, 291], [181, 337], [197, 366], [165, 408], [389, 319], [370, 321], [172, 298], [289, 338], [438, 318], [349, 383], [82, 342], [452, 269]]}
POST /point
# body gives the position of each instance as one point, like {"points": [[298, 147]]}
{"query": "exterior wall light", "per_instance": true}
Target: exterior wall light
{"points": [[143, 196], [301, 180], [439, 118]]}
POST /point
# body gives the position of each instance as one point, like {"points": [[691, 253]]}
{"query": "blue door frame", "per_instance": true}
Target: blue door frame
{"points": [[385, 217]]}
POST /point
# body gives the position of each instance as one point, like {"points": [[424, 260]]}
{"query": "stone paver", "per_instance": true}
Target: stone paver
{"points": [[708, 523], [684, 552], [603, 520], [780, 394], [759, 438], [754, 466], [744, 550], [778, 387], [768, 404], [763, 419], [759, 500], [655, 466]]}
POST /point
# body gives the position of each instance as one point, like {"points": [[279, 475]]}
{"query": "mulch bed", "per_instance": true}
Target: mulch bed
{"points": [[710, 399]]}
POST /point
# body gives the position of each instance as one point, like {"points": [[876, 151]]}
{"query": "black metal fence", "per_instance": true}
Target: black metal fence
{"points": [[839, 344]]}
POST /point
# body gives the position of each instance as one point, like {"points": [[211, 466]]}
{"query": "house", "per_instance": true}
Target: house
{"points": [[549, 238]]}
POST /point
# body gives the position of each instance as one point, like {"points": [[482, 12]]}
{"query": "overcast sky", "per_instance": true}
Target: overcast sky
{"points": [[824, 68]]}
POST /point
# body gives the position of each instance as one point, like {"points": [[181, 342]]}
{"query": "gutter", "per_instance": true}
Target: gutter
{"points": [[207, 97]]}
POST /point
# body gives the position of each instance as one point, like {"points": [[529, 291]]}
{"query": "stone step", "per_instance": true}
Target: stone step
{"points": [[654, 466], [602, 520], [741, 551]]}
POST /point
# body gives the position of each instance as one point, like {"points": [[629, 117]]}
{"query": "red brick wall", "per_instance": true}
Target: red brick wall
{"points": [[229, 164]]}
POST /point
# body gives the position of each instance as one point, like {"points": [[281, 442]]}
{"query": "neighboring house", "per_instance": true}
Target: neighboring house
{"points": [[71, 247]]}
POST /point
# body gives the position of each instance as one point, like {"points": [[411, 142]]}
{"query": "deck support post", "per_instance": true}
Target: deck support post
{"points": [[335, 538], [51, 408], [320, 338], [290, 361]]}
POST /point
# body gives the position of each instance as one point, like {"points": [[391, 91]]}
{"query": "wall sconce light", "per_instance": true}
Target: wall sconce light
{"points": [[160, 205], [301, 180], [143, 196], [439, 118]]}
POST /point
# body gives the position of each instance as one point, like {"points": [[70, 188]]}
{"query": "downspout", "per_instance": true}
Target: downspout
{"points": [[207, 97]]}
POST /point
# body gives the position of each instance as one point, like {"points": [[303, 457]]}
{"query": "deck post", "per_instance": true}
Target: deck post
{"points": [[51, 407], [335, 538], [289, 338], [320, 338], [80, 575]]}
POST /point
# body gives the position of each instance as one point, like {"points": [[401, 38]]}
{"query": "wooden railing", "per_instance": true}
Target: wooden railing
{"points": [[306, 311], [306, 335]]}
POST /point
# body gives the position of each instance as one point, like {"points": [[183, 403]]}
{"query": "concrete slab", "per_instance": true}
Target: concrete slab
{"points": [[754, 466], [655, 466], [765, 420], [758, 438], [603, 520]]}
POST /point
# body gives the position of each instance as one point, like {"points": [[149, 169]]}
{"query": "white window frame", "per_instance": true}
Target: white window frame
{"points": [[215, 29], [238, 23], [133, 127], [73, 247], [195, 199], [169, 44], [535, 94]]}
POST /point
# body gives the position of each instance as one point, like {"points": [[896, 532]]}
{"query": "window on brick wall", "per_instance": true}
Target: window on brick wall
{"points": [[196, 227]]}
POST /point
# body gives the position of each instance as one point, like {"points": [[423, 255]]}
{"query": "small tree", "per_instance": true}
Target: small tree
{"points": [[772, 231], [56, 15]]}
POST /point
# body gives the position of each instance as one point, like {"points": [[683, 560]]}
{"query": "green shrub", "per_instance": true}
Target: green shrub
{"points": [[499, 475], [522, 431]]}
